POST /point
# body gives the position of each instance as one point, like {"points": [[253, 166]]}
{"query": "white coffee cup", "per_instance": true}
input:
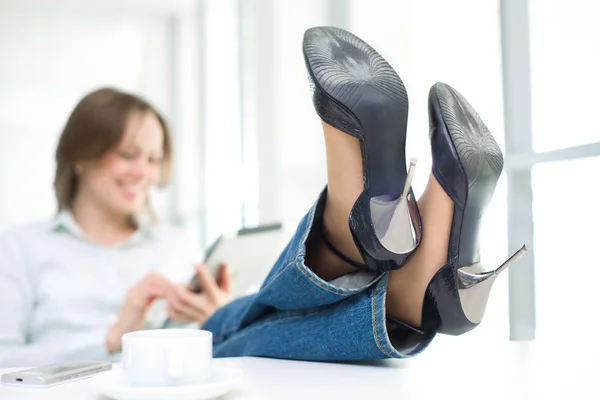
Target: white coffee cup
{"points": [[167, 357]]}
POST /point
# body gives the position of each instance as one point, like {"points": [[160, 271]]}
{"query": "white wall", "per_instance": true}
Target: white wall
{"points": [[221, 121], [283, 139], [49, 61], [53, 54], [301, 155]]}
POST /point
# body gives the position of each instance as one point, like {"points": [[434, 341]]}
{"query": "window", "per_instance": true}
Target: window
{"points": [[564, 65], [50, 60], [566, 220]]}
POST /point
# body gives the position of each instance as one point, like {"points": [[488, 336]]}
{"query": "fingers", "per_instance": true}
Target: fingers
{"points": [[175, 314], [186, 314], [190, 300], [156, 285], [155, 291], [157, 279], [153, 286], [207, 281], [187, 306], [144, 298], [224, 278]]}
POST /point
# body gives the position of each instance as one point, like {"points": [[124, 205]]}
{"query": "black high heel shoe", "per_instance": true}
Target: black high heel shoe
{"points": [[467, 163], [356, 91]]}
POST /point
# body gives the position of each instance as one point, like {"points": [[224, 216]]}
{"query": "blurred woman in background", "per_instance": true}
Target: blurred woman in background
{"points": [[71, 287]]}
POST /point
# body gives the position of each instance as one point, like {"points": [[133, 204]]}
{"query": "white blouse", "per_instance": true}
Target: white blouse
{"points": [[59, 292]]}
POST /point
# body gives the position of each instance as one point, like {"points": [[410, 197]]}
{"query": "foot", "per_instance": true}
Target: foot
{"points": [[357, 92], [406, 286], [444, 288], [345, 183]]}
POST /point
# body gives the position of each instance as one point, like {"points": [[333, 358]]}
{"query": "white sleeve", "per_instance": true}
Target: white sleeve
{"points": [[16, 304], [17, 300]]}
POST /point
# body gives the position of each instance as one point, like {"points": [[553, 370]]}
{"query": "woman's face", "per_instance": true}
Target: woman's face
{"points": [[120, 181]]}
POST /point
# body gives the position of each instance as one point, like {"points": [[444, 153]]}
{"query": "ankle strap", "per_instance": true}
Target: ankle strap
{"points": [[342, 255], [404, 337]]}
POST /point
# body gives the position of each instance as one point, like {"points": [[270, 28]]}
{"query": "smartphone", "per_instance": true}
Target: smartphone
{"points": [[54, 374], [194, 284]]}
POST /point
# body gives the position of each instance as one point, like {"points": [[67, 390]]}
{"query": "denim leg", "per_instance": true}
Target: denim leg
{"points": [[297, 315]]}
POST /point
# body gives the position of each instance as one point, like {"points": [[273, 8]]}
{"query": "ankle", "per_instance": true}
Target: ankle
{"points": [[322, 260], [405, 293], [407, 286], [336, 231]]}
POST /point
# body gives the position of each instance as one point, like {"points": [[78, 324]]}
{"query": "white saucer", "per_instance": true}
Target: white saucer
{"points": [[112, 384]]}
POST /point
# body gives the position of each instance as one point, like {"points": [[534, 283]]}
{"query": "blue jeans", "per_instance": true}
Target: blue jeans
{"points": [[297, 315]]}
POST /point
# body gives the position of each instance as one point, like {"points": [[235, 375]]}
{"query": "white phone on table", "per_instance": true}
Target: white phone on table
{"points": [[54, 374]]}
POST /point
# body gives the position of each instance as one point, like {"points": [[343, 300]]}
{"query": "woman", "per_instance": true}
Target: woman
{"points": [[70, 288], [371, 273]]}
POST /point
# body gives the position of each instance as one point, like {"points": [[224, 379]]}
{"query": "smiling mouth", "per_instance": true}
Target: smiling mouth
{"points": [[133, 191]]}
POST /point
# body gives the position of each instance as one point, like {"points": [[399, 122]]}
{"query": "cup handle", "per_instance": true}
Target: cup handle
{"points": [[174, 360]]}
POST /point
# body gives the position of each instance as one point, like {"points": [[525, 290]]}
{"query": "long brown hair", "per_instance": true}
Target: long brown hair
{"points": [[95, 127]]}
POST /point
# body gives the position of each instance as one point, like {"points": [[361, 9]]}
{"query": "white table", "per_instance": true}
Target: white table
{"points": [[446, 371]]}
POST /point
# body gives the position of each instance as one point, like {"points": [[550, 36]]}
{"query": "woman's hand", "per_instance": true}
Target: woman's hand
{"points": [[187, 306], [139, 299]]}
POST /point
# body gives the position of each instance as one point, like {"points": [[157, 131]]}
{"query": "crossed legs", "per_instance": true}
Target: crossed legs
{"points": [[406, 286]]}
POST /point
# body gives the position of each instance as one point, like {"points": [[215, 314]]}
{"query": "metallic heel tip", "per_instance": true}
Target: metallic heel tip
{"points": [[409, 177], [475, 286]]}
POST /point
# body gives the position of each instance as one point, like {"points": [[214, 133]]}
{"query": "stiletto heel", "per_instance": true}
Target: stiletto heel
{"points": [[396, 233], [356, 91], [474, 286], [467, 163]]}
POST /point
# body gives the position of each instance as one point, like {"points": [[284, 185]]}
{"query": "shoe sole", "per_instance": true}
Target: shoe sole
{"points": [[355, 90], [480, 162]]}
